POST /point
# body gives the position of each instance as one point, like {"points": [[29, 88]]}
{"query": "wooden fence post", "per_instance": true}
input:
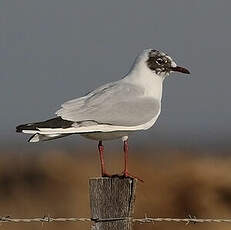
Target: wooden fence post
{"points": [[112, 202]]}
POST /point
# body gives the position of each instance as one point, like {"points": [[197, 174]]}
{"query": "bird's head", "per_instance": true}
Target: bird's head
{"points": [[160, 63]]}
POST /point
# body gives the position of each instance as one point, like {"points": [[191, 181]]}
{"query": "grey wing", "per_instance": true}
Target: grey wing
{"points": [[114, 104]]}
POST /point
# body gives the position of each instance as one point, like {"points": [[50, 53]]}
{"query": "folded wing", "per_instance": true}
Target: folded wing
{"points": [[113, 104]]}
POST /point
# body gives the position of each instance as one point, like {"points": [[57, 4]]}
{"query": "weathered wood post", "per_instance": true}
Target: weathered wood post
{"points": [[112, 202]]}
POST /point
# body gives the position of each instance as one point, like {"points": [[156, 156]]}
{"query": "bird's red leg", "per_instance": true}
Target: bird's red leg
{"points": [[101, 150], [126, 173], [126, 158]]}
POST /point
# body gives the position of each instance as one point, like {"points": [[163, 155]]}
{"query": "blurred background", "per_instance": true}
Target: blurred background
{"points": [[52, 51]]}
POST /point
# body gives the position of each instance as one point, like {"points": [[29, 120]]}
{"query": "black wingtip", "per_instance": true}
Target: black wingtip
{"points": [[19, 128], [57, 122]]}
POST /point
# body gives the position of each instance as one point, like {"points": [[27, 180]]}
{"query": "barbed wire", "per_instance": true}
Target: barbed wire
{"points": [[190, 219], [42, 219], [48, 219]]}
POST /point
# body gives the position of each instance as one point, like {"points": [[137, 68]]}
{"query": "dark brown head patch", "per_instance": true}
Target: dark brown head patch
{"points": [[159, 62]]}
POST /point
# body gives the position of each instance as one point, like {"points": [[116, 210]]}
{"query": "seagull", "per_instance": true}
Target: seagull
{"points": [[114, 110]]}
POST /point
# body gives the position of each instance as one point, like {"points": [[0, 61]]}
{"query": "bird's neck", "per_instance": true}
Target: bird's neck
{"points": [[143, 76]]}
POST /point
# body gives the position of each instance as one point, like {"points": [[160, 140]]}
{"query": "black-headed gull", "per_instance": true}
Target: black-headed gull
{"points": [[113, 110]]}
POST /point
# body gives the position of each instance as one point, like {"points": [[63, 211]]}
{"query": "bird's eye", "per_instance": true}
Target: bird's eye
{"points": [[160, 61]]}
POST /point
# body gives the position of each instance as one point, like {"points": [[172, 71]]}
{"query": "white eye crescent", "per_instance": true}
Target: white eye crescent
{"points": [[160, 61]]}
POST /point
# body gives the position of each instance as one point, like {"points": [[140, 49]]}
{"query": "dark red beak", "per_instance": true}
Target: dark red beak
{"points": [[180, 69]]}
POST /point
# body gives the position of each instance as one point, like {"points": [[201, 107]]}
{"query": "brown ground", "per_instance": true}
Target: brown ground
{"points": [[56, 183]]}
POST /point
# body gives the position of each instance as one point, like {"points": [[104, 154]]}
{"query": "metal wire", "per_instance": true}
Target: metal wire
{"points": [[192, 220], [42, 219], [48, 219]]}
